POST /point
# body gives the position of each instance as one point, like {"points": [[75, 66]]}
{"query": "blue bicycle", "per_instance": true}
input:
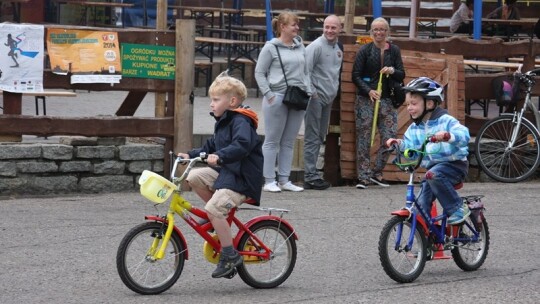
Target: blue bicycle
{"points": [[413, 236]]}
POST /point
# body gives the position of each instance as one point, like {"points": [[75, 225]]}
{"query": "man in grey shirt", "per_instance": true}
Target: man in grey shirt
{"points": [[323, 58]]}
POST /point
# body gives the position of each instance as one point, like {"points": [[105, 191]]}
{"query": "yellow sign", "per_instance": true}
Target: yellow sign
{"points": [[84, 52]]}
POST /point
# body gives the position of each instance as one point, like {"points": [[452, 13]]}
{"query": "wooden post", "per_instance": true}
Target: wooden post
{"points": [[161, 24], [183, 107], [12, 105], [349, 17]]}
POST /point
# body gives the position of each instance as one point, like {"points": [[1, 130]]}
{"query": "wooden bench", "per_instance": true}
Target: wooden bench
{"points": [[43, 97], [520, 60]]}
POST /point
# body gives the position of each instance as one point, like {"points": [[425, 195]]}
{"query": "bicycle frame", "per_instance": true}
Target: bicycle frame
{"points": [[439, 232], [519, 116], [179, 205]]}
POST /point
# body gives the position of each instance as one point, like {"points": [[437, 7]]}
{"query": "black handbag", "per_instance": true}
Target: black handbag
{"points": [[295, 98], [397, 94]]}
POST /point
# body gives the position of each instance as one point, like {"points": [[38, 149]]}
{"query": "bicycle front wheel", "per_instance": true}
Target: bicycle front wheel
{"points": [[136, 266], [401, 263], [505, 161], [470, 254], [268, 273]]}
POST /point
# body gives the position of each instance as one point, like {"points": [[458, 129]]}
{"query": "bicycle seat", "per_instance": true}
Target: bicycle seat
{"points": [[458, 186]]}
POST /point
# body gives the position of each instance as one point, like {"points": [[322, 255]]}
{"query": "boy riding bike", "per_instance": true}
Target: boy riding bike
{"points": [[235, 164], [445, 161]]}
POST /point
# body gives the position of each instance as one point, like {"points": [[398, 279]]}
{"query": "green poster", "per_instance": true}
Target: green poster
{"points": [[148, 61]]}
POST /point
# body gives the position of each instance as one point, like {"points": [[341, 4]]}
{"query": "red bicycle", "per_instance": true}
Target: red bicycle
{"points": [[151, 256]]}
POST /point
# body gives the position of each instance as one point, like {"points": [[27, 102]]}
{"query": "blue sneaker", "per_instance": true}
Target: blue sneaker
{"points": [[459, 216]]}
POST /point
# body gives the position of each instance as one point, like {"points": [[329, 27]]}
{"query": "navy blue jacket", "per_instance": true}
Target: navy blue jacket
{"points": [[239, 148]]}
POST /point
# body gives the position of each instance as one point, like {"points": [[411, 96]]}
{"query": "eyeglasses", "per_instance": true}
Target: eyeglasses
{"points": [[378, 30]]}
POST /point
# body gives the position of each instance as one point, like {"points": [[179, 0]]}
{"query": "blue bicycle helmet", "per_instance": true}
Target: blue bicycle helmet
{"points": [[426, 87], [429, 89]]}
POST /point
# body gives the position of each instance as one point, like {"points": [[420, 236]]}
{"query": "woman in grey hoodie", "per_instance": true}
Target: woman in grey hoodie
{"points": [[281, 123]]}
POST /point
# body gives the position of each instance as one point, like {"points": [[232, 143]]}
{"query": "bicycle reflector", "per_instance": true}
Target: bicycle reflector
{"points": [[155, 187]]}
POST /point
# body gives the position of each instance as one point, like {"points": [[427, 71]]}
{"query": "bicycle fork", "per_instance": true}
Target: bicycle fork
{"points": [[157, 251]]}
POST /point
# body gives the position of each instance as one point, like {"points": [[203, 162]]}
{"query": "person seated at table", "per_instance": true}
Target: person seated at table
{"points": [[508, 11], [459, 23]]}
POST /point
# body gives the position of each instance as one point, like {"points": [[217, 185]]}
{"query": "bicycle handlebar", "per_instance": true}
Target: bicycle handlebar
{"points": [[191, 163], [527, 77], [411, 153]]}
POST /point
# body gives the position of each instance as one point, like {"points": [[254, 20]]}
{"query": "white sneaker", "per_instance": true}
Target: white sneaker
{"points": [[291, 187], [271, 187]]}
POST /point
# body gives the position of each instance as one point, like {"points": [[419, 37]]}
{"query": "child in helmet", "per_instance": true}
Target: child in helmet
{"points": [[445, 160]]}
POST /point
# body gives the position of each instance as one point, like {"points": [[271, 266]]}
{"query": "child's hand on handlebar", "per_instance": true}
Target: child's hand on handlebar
{"points": [[213, 159], [440, 136], [183, 155], [391, 141]]}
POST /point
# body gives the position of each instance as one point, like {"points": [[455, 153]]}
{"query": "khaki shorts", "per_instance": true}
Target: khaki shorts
{"points": [[223, 200]]}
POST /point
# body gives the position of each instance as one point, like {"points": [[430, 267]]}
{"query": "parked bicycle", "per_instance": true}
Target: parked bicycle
{"points": [[413, 235], [507, 147], [151, 256]]}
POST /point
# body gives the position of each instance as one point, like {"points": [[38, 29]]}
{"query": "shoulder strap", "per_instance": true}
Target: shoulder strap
{"points": [[281, 63]]}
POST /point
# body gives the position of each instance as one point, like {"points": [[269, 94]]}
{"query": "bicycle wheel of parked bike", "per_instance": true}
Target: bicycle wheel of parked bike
{"points": [[470, 255], [268, 273], [401, 263], [135, 265], [502, 159]]}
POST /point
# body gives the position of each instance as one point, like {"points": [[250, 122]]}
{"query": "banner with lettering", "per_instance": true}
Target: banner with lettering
{"points": [[90, 56], [148, 61], [21, 57]]}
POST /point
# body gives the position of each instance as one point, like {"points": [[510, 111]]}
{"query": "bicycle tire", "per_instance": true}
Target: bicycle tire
{"points": [[469, 255], [138, 272], [503, 164], [259, 273], [403, 266]]}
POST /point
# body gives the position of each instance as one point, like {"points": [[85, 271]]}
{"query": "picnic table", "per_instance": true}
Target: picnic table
{"points": [[206, 15]]}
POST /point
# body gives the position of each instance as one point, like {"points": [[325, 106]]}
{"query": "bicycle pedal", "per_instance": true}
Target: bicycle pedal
{"points": [[231, 275]]}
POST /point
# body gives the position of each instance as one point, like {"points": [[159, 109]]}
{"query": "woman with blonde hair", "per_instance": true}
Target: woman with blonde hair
{"points": [[281, 58], [373, 59]]}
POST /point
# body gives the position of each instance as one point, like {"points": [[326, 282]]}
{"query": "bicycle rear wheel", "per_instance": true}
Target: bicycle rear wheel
{"points": [[470, 255], [135, 265], [400, 263], [262, 273], [501, 161]]}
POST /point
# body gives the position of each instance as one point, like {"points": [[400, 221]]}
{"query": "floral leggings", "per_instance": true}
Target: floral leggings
{"points": [[387, 126]]}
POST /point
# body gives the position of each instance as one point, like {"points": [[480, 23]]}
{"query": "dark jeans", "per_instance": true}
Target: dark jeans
{"points": [[441, 186]]}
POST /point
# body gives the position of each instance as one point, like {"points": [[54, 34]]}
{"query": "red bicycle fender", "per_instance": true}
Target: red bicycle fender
{"points": [[176, 230], [401, 212], [405, 213], [261, 218]]}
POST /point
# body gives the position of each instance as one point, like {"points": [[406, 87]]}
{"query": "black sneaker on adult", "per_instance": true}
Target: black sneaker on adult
{"points": [[227, 264], [362, 184], [381, 182], [318, 184]]}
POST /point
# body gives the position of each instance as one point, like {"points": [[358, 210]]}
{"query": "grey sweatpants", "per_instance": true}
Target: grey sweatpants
{"points": [[281, 126], [315, 129]]}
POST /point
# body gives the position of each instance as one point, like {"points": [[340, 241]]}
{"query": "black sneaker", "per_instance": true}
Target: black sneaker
{"points": [[362, 184], [318, 184], [227, 264], [381, 182]]}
